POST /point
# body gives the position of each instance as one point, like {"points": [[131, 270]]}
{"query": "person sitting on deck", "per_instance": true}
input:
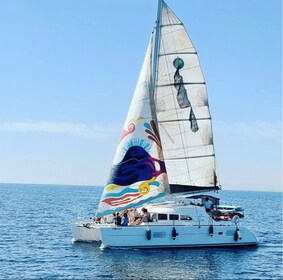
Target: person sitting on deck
{"points": [[125, 220], [132, 216], [117, 219], [144, 218]]}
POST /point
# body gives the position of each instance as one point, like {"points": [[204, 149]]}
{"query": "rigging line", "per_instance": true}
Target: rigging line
{"points": [[180, 158]]}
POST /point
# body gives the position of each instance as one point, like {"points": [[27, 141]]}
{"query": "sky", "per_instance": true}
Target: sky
{"points": [[68, 70]]}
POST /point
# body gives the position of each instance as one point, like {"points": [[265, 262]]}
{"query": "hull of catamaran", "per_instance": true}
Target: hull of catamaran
{"points": [[156, 236], [164, 236]]}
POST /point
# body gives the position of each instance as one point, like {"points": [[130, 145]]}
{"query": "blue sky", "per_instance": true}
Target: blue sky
{"points": [[68, 71]]}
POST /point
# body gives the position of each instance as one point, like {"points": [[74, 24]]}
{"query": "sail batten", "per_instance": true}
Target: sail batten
{"points": [[171, 24], [180, 158], [184, 120], [185, 83], [174, 53]]}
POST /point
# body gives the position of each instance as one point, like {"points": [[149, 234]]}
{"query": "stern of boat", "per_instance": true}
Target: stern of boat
{"points": [[85, 231]]}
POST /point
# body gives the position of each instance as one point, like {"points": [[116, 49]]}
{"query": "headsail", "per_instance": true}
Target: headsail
{"points": [[183, 115], [138, 173]]}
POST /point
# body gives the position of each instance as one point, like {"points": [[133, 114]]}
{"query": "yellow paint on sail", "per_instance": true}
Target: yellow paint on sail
{"points": [[135, 120], [144, 187], [112, 187]]}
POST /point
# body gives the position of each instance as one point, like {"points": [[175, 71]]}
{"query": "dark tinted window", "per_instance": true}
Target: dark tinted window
{"points": [[162, 216], [173, 217]]}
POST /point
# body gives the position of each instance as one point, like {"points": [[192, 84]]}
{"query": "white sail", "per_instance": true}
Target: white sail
{"points": [[182, 109], [138, 173]]}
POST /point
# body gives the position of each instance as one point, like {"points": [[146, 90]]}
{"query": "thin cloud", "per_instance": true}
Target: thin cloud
{"points": [[77, 129], [251, 130]]}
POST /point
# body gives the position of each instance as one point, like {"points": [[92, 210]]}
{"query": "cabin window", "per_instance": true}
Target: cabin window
{"points": [[186, 218], [162, 216], [173, 217]]}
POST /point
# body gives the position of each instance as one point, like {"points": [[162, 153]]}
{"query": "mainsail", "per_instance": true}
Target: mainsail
{"points": [[166, 145], [183, 115]]}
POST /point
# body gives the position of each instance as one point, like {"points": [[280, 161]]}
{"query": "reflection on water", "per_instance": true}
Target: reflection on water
{"points": [[194, 263]]}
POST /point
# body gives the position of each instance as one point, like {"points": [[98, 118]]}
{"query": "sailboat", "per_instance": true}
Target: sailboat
{"points": [[166, 151]]}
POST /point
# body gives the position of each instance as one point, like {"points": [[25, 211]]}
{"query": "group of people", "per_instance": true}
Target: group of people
{"points": [[133, 217], [126, 217]]}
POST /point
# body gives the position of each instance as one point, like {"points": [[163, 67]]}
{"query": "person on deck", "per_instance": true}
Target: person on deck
{"points": [[125, 220], [208, 204], [117, 219], [145, 217]]}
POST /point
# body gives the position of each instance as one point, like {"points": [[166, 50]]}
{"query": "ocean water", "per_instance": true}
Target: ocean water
{"points": [[35, 240]]}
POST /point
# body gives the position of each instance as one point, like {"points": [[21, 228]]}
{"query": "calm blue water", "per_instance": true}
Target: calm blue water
{"points": [[35, 241]]}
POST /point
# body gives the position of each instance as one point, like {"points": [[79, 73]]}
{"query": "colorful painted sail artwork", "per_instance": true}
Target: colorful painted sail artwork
{"points": [[138, 174]]}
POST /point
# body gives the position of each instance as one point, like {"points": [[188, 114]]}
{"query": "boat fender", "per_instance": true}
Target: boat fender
{"points": [[239, 234], [174, 233], [236, 235], [211, 230], [148, 234]]}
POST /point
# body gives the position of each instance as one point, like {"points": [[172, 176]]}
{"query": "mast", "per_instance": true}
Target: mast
{"points": [[156, 46], [154, 75]]}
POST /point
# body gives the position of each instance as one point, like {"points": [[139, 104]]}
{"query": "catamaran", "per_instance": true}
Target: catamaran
{"points": [[166, 150]]}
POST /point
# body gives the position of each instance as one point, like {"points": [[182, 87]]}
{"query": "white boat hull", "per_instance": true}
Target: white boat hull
{"points": [[87, 232], [187, 236]]}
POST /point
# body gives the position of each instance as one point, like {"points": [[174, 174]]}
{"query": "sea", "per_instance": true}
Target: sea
{"points": [[36, 240]]}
